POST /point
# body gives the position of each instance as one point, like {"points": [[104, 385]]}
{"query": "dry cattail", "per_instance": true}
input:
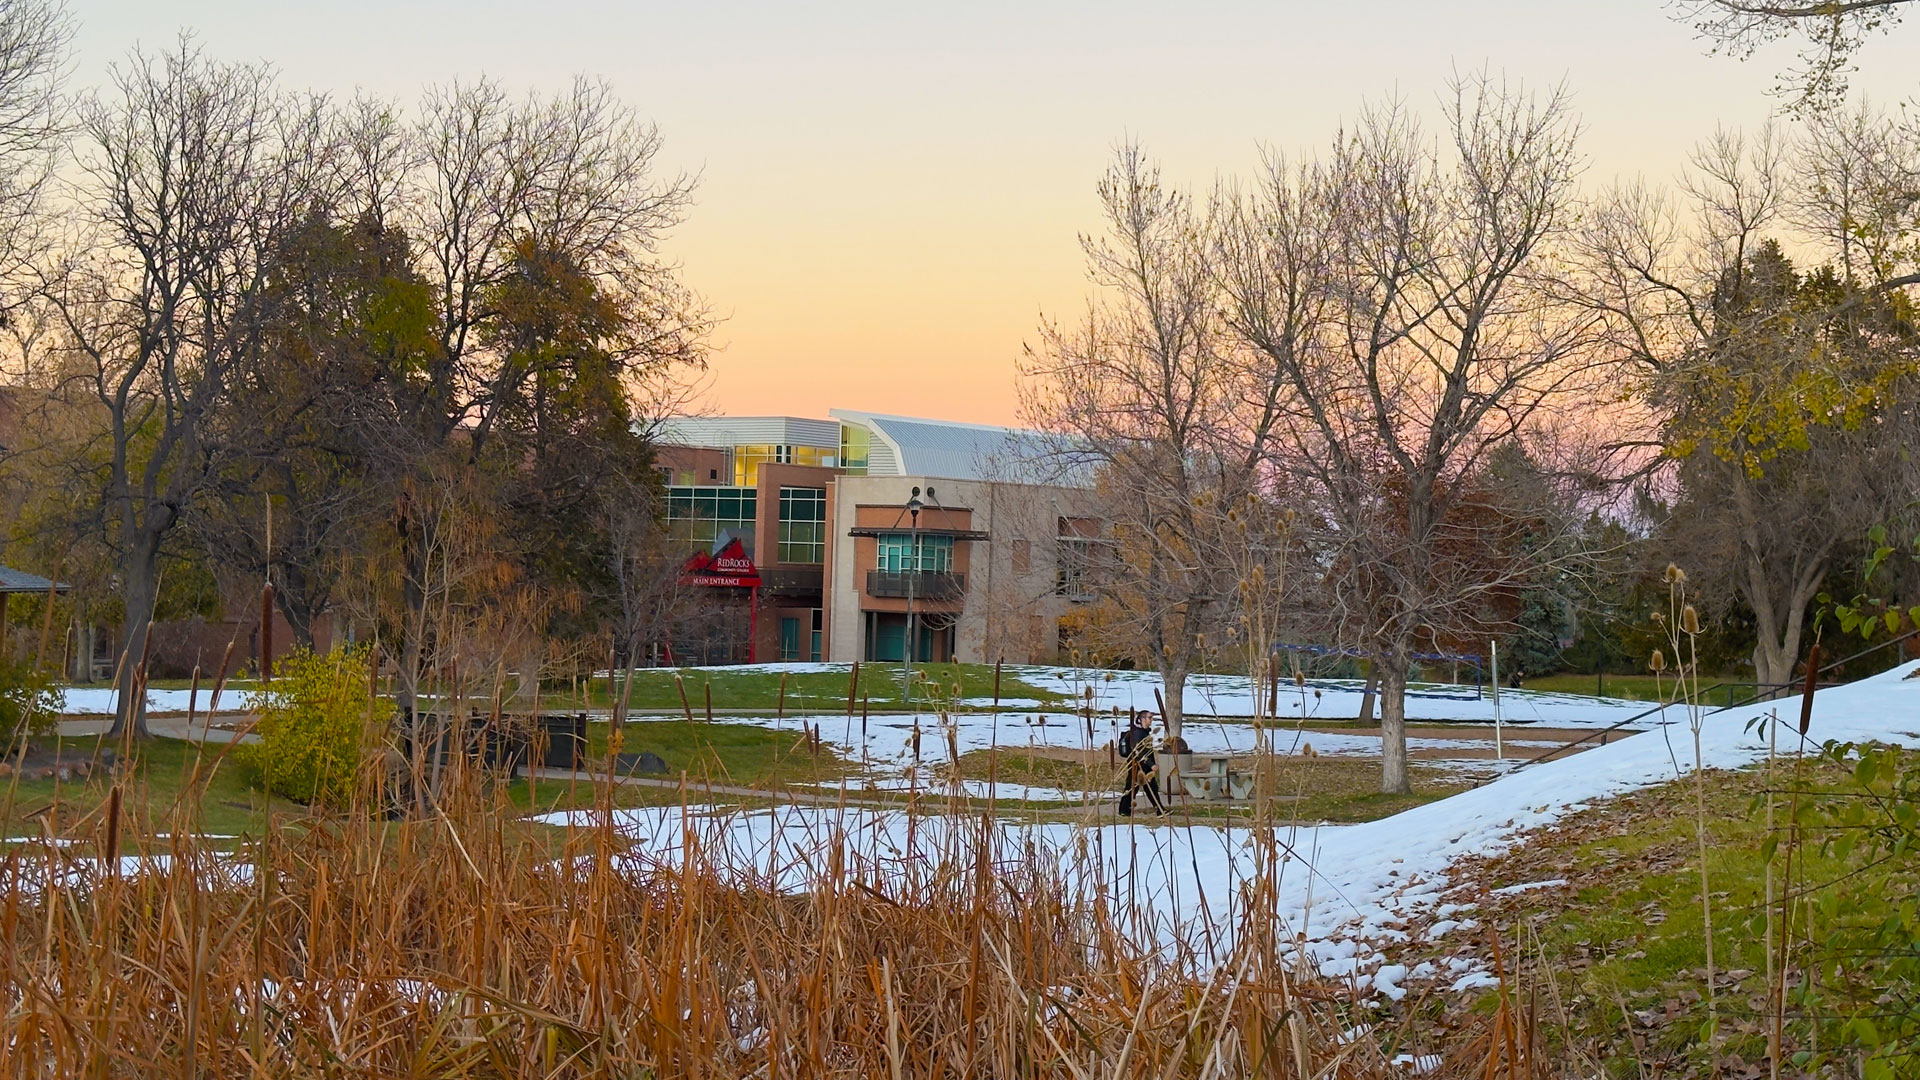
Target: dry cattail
{"points": [[1675, 575], [1689, 620], [1658, 661]]}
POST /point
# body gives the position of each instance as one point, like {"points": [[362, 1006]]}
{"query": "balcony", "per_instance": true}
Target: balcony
{"points": [[924, 584]]}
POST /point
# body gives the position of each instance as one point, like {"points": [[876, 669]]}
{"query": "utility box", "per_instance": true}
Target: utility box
{"points": [[565, 736]]}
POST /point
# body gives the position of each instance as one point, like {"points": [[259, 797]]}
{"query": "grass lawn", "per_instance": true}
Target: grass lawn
{"points": [[806, 691], [1637, 687], [739, 755], [1625, 939], [1302, 788], [161, 772], [227, 805]]}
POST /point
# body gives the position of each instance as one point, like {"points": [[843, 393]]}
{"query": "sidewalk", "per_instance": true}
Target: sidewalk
{"points": [[810, 798], [168, 727]]}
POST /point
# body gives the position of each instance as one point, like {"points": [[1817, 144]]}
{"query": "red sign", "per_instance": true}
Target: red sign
{"points": [[727, 564]]}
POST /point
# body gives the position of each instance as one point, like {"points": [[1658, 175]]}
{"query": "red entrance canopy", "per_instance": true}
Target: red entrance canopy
{"points": [[727, 564]]}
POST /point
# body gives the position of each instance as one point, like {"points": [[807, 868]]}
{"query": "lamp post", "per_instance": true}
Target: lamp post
{"points": [[912, 564]]}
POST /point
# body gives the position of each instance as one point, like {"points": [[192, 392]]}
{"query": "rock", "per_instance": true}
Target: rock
{"points": [[643, 762]]}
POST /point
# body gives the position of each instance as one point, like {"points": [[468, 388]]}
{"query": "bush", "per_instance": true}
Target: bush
{"points": [[29, 703], [317, 720], [1867, 947]]}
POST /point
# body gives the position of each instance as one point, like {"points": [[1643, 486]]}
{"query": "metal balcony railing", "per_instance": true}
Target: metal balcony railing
{"points": [[925, 584]]}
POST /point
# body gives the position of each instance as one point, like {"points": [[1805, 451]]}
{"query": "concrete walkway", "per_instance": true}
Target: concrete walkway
{"points": [[692, 787], [170, 727]]}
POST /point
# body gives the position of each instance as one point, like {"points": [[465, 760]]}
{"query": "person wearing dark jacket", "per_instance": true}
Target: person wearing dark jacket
{"points": [[1136, 746]]}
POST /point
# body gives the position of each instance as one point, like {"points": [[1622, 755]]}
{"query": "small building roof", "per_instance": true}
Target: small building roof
{"points": [[727, 432], [19, 581]]}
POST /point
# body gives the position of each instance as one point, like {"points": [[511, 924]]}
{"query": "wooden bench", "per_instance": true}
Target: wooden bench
{"points": [[1212, 778]]}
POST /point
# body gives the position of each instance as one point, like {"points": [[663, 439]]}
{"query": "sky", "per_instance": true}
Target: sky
{"points": [[891, 194]]}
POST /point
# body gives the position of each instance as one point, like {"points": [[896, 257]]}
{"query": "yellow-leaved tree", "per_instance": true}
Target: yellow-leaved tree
{"points": [[319, 719]]}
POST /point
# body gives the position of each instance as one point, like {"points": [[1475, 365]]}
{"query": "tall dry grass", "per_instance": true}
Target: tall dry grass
{"points": [[469, 944]]}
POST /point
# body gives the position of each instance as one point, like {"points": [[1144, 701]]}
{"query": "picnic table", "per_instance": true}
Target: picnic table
{"points": [[1212, 777]]}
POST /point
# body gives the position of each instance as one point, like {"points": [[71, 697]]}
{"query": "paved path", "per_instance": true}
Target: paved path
{"points": [[169, 727], [692, 787]]}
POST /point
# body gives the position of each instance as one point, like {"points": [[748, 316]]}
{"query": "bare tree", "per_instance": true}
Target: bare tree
{"points": [[651, 601], [1439, 341], [1830, 32], [1143, 395], [34, 35], [191, 175]]}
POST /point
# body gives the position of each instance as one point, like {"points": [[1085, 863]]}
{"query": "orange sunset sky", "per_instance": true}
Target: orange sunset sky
{"points": [[891, 192]]}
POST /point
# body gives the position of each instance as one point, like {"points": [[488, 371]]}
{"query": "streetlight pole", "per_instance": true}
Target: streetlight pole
{"points": [[913, 556]]}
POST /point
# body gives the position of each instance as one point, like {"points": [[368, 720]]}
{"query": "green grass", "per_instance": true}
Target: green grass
{"points": [[159, 774], [1302, 788], [234, 684], [720, 754], [1626, 941], [1637, 687], [655, 690], [743, 755]]}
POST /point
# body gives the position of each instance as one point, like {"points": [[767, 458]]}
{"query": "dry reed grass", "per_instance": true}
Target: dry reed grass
{"points": [[470, 944]]}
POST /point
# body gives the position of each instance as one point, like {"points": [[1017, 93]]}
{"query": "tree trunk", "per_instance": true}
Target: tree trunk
{"points": [[414, 631], [1173, 681], [1776, 646], [141, 567], [418, 561], [1367, 693], [1393, 723], [82, 658], [527, 683], [1773, 661], [294, 603], [623, 665]]}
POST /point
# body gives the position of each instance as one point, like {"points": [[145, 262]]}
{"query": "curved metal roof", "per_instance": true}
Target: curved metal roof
{"points": [[951, 450]]}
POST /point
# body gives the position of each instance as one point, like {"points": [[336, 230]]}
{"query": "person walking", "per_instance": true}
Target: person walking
{"points": [[1136, 746]]}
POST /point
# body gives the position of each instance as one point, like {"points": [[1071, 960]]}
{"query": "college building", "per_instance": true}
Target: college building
{"points": [[863, 536]]}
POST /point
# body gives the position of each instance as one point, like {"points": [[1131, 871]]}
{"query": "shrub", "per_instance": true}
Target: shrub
{"points": [[316, 722], [29, 703], [1868, 947]]}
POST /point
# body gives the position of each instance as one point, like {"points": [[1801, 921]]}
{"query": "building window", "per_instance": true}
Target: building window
{"points": [[1022, 556], [897, 553], [700, 514], [1079, 560], [748, 458], [803, 525], [855, 444]]}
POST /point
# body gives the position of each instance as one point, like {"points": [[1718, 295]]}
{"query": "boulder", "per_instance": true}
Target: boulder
{"points": [[642, 763]]}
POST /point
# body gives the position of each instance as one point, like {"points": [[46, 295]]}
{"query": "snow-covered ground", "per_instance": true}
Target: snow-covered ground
{"points": [[884, 744], [1206, 696], [1345, 890], [1334, 699], [935, 789], [101, 700]]}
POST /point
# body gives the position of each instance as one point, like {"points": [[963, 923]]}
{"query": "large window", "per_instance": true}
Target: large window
{"points": [[856, 443], [748, 458], [700, 514], [803, 525], [1080, 559], [897, 553]]}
